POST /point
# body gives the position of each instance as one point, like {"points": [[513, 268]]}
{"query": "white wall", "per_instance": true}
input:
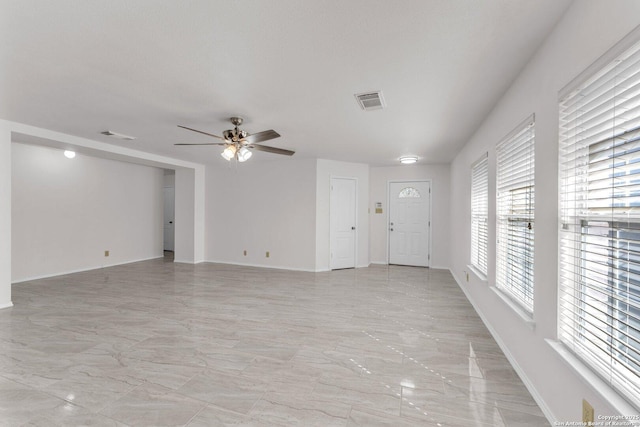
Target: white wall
{"points": [[588, 30], [5, 217], [66, 213], [325, 170], [184, 220], [261, 206], [440, 204]]}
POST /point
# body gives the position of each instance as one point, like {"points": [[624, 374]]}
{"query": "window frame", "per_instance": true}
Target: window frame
{"points": [[515, 215], [479, 242], [596, 134]]}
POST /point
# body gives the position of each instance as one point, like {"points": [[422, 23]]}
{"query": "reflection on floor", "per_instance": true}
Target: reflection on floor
{"points": [[158, 343]]}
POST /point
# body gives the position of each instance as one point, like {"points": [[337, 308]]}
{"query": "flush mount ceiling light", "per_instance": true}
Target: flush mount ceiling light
{"points": [[118, 135], [69, 154], [408, 160]]}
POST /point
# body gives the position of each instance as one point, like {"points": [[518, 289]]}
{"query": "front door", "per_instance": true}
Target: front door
{"points": [[409, 223], [343, 223]]}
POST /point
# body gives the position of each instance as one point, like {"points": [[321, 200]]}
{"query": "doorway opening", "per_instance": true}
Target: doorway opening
{"points": [[169, 202]]}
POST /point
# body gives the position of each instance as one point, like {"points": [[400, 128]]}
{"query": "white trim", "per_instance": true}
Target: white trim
{"points": [[396, 181], [523, 314], [7, 305], [478, 273], [271, 267], [81, 270], [483, 156], [594, 382], [524, 124], [523, 377], [605, 59]]}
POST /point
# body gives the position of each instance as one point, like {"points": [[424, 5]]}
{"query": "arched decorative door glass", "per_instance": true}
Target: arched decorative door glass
{"points": [[409, 192]]}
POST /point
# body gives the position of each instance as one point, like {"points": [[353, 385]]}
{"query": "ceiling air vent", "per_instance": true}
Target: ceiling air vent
{"points": [[370, 100]]}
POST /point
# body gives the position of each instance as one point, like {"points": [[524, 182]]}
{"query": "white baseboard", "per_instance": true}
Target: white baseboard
{"points": [[6, 305], [274, 267], [80, 270], [514, 363]]}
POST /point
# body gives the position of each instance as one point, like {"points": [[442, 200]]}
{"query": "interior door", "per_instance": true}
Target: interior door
{"points": [[409, 223], [169, 213], [343, 223]]}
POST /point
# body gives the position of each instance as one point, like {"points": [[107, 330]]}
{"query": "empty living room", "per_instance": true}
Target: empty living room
{"points": [[319, 213]]}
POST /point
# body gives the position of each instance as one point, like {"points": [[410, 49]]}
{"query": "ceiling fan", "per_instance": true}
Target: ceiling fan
{"points": [[237, 143]]}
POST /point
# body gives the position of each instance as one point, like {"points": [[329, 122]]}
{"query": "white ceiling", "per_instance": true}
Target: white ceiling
{"points": [[141, 67]]}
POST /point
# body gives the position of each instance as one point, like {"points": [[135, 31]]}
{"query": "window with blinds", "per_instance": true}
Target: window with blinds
{"points": [[515, 197], [599, 242], [479, 213]]}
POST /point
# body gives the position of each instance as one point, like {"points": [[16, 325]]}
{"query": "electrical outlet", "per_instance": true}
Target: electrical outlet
{"points": [[267, 255], [245, 252], [587, 412], [106, 253]]}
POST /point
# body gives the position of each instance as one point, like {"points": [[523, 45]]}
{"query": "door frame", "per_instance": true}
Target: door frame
{"points": [[357, 230], [388, 216]]}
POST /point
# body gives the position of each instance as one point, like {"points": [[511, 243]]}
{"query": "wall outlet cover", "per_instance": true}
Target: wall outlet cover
{"points": [[587, 412]]}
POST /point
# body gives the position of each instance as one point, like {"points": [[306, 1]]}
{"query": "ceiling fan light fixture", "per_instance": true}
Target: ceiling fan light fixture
{"points": [[229, 152], [244, 154], [408, 160]]}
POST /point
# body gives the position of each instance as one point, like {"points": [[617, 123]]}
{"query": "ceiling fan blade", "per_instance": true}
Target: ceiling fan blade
{"points": [[254, 138], [272, 150], [199, 131], [204, 143]]}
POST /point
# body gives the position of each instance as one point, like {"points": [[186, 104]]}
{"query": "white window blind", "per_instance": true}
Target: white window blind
{"points": [[599, 244], [479, 213], [515, 197]]}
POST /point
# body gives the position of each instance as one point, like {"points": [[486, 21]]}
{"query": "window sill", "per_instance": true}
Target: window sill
{"points": [[480, 275], [619, 403], [521, 312]]}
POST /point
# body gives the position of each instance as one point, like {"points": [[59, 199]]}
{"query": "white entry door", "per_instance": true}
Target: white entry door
{"points": [[409, 223], [343, 223], [169, 213]]}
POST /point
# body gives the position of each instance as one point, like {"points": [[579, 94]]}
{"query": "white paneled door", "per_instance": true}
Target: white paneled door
{"points": [[409, 223], [343, 223], [169, 213]]}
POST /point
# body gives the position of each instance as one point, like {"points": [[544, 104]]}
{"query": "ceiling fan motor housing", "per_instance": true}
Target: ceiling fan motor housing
{"points": [[234, 135]]}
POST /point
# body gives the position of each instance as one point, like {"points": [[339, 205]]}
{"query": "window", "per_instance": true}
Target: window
{"points": [[599, 278], [409, 192], [515, 196], [479, 213]]}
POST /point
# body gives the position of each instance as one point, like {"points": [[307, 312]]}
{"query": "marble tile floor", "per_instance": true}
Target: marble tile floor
{"points": [[162, 344]]}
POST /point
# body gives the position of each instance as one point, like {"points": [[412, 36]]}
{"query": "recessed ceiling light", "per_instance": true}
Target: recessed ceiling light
{"points": [[69, 154], [408, 160], [118, 135]]}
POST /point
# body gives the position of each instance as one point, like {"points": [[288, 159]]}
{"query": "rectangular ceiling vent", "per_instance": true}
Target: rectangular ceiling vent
{"points": [[118, 135], [370, 100]]}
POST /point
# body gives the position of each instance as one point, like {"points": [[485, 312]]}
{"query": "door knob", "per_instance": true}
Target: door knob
{"points": [[170, 222], [391, 229], [353, 228]]}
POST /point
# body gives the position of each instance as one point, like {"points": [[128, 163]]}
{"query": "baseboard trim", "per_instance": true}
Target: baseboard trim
{"points": [[273, 267], [81, 270], [514, 363], [6, 305]]}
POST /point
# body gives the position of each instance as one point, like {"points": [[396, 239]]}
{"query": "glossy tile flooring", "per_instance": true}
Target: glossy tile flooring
{"points": [[162, 344]]}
